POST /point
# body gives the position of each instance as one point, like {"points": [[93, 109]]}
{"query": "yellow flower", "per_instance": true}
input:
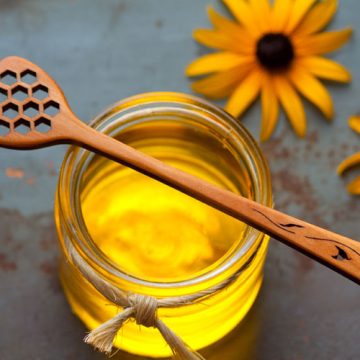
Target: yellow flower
{"points": [[353, 160], [272, 51]]}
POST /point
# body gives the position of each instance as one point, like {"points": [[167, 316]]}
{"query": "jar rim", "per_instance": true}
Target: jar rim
{"points": [[146, 102]]}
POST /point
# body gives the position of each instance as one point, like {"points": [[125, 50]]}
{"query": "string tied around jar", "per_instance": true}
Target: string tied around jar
{"points": [[143, 309]]}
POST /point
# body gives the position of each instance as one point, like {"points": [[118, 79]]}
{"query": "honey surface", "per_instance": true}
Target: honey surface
{"points": [[152, 231]]}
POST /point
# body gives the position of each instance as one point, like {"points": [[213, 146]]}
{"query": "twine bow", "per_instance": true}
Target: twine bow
{"points": [[144, 310], [141, 308]]}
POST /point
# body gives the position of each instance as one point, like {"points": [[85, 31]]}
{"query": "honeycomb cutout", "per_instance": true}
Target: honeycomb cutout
{"points": [[25, 104]]}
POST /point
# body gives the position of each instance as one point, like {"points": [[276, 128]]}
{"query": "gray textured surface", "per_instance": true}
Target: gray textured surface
{"points": [[102, 51]]}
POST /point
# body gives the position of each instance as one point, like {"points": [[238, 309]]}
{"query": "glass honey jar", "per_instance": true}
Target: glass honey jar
{"points": [[147, 238]]}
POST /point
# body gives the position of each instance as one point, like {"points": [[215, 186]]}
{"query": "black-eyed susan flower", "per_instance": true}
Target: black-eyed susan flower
{"points": [[353, 160], [272, 50]]}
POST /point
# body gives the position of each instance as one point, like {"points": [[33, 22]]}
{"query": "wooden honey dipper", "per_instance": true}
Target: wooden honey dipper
{"points": [[35, 114]]}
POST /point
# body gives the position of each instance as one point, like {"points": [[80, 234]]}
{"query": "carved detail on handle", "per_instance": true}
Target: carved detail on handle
{"points": [[282, 226], [292, 225], [340, 255]]}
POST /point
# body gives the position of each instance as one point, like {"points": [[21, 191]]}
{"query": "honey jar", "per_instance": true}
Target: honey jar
{"points": [[147, 238]]}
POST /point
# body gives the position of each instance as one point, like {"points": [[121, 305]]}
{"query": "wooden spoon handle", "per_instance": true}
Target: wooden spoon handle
{"points": [[335, 251]]}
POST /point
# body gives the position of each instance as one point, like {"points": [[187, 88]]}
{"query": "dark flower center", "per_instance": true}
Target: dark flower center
{"points": [[275, 51]]}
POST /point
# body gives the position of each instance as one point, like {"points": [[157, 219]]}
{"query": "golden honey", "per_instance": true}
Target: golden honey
{"points": [[148, 238], [151, 230]]}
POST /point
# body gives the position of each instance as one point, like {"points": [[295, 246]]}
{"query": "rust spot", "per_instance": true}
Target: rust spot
{"points": [[296, 189], [276, 149], [47, 243], [308, 147], [14, 172], [271, 147], [116, 12], [6, 236], [31, 180], [5, 264], [159, 23], [51, 168], [317, 154], [48, 267], [313, 137], [331, 153], [334, 157], [18, 247], [6, 5], [353, 205]]}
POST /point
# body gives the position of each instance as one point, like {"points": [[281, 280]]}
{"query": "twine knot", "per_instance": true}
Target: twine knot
{"points": [[141, 308], [144, 309]]}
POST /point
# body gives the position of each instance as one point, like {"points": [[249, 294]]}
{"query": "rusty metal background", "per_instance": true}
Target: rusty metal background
{"points": [[102, 51]]}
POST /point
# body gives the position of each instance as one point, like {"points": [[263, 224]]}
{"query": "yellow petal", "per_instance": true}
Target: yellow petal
{"points": [[270, 109], [245, 94], [317, 18], [232, 30], [242, 12], [291, 102], [299, 10], [321, 43], [261, 6], [221, 84], [325, 68], [348, 163], [220, 22], [220, 61], [354, 187], [261, 13], [312, 89], [354, 123], [220, 40], [280, 14]]}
